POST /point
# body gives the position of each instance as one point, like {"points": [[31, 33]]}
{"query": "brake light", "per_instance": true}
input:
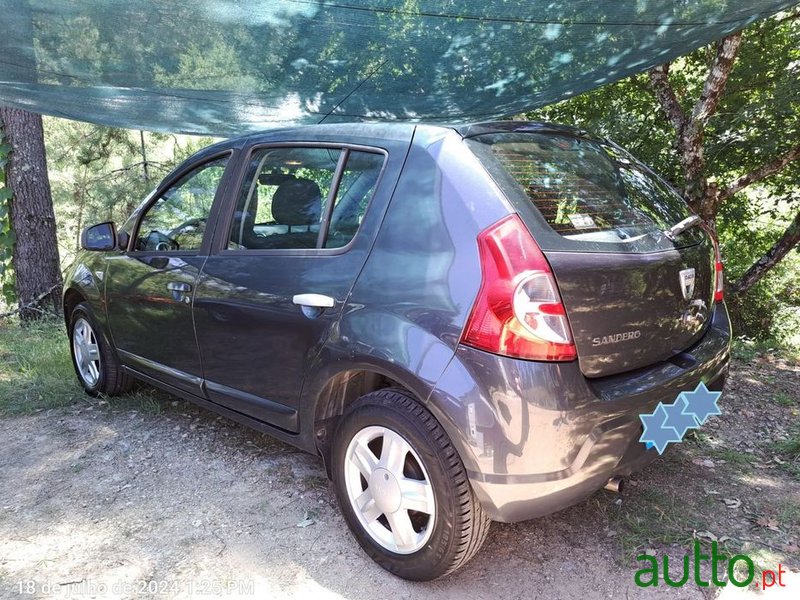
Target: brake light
{"points": [[719, 288], [719, 279], [518, 311]]}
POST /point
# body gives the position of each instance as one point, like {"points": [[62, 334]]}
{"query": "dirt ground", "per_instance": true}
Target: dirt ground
{"points": [[118, 501]]}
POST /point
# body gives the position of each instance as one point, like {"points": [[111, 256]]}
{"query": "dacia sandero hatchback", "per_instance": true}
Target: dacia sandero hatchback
{"points": [[465, 323]]}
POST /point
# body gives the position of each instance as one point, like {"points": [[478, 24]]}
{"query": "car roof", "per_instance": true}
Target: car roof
{"points": [[394, 131]]}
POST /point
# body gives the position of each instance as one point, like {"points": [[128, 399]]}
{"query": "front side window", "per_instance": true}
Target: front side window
{"points": [[177, 220], [284, 199]]}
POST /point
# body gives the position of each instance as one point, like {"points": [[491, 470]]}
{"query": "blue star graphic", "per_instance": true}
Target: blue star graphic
{"points": [[654, 431], [702, 403], [679, 417]]}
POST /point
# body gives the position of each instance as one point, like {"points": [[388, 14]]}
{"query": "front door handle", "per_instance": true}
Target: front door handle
{"points": [[180, 291], [313, 300]]}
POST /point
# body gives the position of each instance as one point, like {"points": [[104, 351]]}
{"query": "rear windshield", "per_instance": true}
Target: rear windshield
{"points": [[590, 193]]}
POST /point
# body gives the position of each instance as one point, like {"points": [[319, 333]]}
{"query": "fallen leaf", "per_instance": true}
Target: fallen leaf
{"points": [[706, 535], [704, 462], [307, 520], [732, 503], [768, 522], [778, 460]]}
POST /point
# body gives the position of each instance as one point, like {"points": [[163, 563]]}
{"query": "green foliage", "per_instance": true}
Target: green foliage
{"points": [[98, 173], [7, 237], [36, 373], [35, 367], [747, 349], [771, 308], [790, 447], [758, 119]]}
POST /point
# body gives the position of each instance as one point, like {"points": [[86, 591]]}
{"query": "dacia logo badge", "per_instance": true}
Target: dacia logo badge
{"points": [[687, 283]]}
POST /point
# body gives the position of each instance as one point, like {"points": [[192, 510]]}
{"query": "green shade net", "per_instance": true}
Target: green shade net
{"points": [[227, 67]]}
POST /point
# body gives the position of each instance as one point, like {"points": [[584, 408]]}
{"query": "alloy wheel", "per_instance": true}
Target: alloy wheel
{"points": [[86, 352], [389, 490]]}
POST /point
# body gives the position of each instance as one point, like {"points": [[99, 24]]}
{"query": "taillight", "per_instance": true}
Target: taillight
{"points": [[518, 311], [719, 279]]}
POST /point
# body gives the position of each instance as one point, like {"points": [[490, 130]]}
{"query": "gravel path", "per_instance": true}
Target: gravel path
{"points": [[114, 503]]}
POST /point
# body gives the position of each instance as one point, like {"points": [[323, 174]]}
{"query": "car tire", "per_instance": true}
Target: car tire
{"points": [[389, 454], [96, 364]]}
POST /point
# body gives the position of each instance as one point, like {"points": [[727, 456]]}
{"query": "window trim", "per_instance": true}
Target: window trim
{"points": [[165, 185], [324, 224], [220, 243]]}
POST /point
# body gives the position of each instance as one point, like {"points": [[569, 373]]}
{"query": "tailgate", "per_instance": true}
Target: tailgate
{"points": [[632, 310]]}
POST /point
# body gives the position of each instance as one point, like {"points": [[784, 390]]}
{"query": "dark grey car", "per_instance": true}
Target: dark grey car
{"points": [[464, 323]]}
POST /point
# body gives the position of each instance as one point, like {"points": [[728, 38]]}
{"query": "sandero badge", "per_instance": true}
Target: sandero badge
{"points": [[366, 292], [616, 338]]}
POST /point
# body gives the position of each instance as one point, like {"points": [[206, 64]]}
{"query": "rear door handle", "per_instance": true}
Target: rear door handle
{"points": [[313, 300]]}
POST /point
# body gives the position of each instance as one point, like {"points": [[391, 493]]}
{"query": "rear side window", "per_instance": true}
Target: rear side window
{"points": [[587, 192], [283, 203], [360, 176]]}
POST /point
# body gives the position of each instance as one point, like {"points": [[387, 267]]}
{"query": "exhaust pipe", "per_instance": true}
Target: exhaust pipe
{"points": [[615, 484]]}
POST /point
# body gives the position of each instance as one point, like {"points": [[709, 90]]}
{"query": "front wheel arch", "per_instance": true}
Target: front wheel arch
{"points": [[72, 298]]}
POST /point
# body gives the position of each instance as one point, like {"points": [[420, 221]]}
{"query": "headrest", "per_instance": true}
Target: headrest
{"points": [[274, 178], [297, 202]]}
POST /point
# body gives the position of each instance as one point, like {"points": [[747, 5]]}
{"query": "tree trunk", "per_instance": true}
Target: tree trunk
{"points": [[690, 128], [35, 258], [79, 195], [789, 239]]}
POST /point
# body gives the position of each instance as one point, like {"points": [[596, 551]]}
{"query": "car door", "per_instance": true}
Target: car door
{"points": [[296, 236], [149, 288]]}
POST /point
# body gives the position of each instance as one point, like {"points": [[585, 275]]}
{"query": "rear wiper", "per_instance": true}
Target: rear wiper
{"points": [[679, 228]]}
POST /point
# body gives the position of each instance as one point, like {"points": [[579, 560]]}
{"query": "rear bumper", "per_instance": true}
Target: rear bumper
{"points": [[537, 437]]}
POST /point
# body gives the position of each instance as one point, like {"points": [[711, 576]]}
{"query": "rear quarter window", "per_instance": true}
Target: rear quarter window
{"points": [[587, 194]]}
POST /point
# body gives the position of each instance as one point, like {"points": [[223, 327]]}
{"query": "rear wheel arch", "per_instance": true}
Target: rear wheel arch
{"points": [[345, 387], [339, 392]]}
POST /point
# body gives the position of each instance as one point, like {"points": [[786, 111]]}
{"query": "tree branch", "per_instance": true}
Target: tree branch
{"points": [[789, 239], [789, 17], [665, 94], [34, 305], [718, 74], [759, 174]]}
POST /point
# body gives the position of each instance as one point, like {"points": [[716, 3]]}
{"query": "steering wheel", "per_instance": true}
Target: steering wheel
{"points": [[155, 240], [186, 225]]}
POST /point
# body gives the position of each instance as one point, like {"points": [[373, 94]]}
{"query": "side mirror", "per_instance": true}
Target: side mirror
{"points": [[101, 237]]}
